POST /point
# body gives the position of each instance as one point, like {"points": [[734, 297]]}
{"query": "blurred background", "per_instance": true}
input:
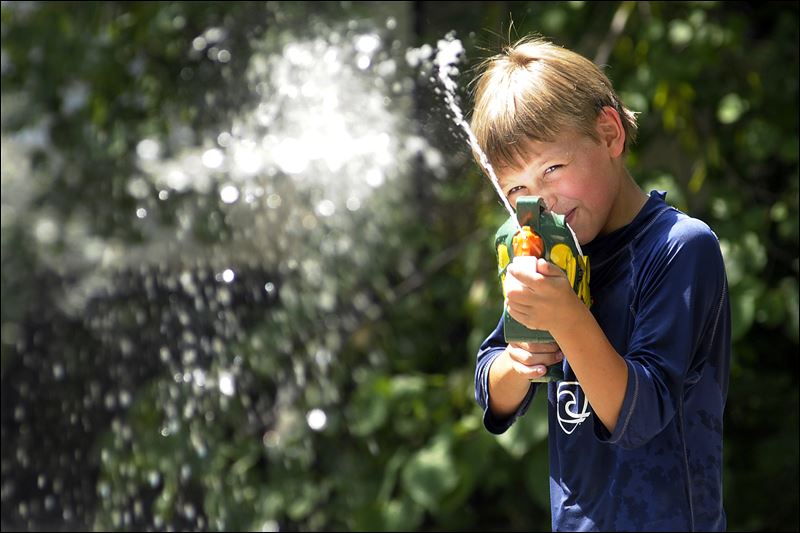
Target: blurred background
{"points": [[247, 258]]}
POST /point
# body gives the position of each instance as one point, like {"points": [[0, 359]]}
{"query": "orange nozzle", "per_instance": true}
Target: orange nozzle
{"points": [[526, 242]]}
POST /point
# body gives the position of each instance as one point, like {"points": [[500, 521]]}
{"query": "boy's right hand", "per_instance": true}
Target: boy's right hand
{"points": [[531, 359]]}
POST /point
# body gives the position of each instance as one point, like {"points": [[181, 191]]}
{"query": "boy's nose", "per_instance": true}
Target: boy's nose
{"points": [[550, 202]]}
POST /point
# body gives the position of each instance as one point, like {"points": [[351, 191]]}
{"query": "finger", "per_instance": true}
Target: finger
{"points": [[524, 269], [530, 372], [519, 304], [546, 268], [525, 274], [517, 309], [553, 358], [514, 286], [520, 315], [527, 358], [537, 347], [521, 356], [525, 262]]}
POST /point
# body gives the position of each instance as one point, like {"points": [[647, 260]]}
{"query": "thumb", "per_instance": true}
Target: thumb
{"points": [[546, 268]]}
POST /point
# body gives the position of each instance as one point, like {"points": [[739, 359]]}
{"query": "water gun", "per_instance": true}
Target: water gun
{"points": [[544, 234]]}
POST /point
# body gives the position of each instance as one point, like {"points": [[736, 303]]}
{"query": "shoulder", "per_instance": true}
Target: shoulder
{"points": [[675, 233], [681, 249], [678, 256]]}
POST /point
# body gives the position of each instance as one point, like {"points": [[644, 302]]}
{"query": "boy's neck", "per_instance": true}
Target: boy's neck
{"points": [[630, 200]]}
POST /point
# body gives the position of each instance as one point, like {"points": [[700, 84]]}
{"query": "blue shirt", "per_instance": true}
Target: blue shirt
{"points": [[660, 295]]}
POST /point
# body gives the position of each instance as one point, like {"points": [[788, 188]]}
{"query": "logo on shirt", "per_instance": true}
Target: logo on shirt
{"points": [[573, 407]]}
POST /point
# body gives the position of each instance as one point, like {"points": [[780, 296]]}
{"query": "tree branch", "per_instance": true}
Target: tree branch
{"points": [[617, 26]]}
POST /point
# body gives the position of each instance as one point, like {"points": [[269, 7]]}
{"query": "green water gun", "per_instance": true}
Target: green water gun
{"points": [[543, 234]]}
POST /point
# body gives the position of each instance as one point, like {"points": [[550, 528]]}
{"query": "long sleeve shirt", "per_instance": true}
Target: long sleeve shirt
{"points": [[660, 295]]}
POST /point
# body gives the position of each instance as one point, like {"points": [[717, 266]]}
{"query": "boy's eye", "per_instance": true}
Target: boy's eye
{"points": [[515, 190], [549, 170]]}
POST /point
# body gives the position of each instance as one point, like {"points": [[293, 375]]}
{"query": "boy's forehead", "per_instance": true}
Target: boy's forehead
{"points": [[532, 154]]}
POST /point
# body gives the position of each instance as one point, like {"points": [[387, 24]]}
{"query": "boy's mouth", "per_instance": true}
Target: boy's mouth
{"points": [[570, 216]]}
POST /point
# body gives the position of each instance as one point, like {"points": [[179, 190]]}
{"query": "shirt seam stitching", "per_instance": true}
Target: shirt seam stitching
{"points": [[653, 221], [686, 467], [633, 405]]}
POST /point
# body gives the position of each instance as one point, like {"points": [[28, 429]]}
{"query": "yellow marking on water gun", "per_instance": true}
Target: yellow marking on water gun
{"points": [[502, 262], [583, 290], [562, 256], [502, 256]]}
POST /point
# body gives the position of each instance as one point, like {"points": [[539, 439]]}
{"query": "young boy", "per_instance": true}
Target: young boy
{"points": [[636, 425]]}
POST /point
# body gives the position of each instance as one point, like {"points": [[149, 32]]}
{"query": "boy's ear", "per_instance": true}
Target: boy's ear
{"points": [[611, 131]]}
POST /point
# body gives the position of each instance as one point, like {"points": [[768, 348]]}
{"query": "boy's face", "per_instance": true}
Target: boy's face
{"points": [[575, 176]]}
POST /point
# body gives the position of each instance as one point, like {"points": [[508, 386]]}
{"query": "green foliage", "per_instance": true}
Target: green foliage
{"points": [[390, 359]]}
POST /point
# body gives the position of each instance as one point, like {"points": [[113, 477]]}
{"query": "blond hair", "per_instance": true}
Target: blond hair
{"points": [[533, 91]]}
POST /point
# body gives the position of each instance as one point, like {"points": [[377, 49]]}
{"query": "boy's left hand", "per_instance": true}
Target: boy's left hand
{"points": [[538, 293]]}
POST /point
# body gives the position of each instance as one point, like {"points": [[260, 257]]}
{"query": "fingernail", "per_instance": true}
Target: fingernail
{"points": [[559, 356]]}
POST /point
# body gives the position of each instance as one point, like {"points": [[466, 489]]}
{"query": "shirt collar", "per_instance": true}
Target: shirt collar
{"points": [[604, 246]]}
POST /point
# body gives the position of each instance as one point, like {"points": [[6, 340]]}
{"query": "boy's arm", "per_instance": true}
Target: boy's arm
{"points": [[511, 373], [491, 348], [602, 371], [553, 306], [681, 314], [502, 377]]}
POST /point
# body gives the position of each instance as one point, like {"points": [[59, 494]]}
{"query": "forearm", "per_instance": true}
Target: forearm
{"points": [[507, 388], [602, 372]]}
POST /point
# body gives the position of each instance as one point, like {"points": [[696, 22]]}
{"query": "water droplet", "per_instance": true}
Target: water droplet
{"points": [[189, 511], [316, 419], [309, 222], [224, 139], [273, 201], [226, 384], [270, 526], [291, 156], [46, 231], [124, 398], [326, 208], [215, 34], [229, 194], [212, 158], [374, 177], [49, 502], [148, 149], [367, 43], [153, 477], [363, 62]]}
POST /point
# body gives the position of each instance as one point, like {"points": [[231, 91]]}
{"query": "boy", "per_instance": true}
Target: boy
{"points": [[636, 425]]}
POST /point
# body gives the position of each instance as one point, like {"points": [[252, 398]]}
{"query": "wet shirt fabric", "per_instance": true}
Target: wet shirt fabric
{"points": [[660, 295]]}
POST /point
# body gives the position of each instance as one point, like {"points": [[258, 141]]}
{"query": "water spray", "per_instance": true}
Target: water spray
{"points": [[446, 58]]}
